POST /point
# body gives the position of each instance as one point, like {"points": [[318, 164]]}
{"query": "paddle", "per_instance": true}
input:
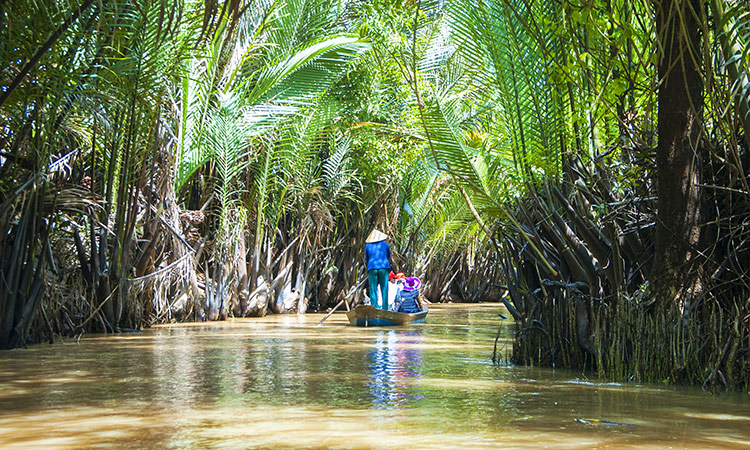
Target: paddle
{"points": [[419, 303], [329, 314], [342, 301]]}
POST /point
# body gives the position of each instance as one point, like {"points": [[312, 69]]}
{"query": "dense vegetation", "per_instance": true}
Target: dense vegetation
{"points": [[182, 160]]}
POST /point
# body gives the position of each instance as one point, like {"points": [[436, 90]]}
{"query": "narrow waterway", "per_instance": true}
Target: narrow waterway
{"points": [[281, 382]]}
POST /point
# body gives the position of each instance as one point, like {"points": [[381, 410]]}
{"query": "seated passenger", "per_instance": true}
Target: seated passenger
{"points": [[407, 298], [395, 281]]}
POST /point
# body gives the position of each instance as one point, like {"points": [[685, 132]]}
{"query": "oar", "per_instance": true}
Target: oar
{"points": [[419, 303], [329, 314]]}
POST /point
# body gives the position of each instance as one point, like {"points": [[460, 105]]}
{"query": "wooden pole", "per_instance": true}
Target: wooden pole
{"points": [[329, 314]]}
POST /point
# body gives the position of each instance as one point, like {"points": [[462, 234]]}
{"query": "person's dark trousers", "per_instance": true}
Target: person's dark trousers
{"points": [[379, 278]]}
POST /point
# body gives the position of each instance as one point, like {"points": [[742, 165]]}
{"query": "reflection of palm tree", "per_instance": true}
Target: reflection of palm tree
{"points": [[395, 358]]}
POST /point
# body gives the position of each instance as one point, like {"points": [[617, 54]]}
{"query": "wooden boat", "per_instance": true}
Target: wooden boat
{"points": [[370, 316]]}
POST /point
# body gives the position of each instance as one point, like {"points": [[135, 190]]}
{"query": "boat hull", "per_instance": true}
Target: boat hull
{"points": [[369, 316]]}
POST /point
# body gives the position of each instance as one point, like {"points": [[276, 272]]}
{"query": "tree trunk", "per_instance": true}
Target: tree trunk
{"points": [[675, 274], [243, 292], [301, 284]]}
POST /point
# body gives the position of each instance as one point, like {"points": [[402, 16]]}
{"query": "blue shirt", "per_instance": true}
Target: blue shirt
{"points": [[378, 254], [408, 302]]}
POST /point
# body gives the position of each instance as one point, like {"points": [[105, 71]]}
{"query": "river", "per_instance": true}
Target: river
{"points": [[281, 382]]}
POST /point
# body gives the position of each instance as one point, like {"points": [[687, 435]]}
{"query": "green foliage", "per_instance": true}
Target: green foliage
{"points": [[314, 118]]}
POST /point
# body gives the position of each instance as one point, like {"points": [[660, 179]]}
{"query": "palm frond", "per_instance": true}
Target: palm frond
{"points": [[447, 144], [496, 35], [301, 76]]}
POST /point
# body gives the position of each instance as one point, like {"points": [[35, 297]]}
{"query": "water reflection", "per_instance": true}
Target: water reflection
{"points": [[281, 382], [395, 364]]}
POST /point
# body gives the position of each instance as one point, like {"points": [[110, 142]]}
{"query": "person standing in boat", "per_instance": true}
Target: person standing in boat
{"points": [[408, 298], [378, 254]]}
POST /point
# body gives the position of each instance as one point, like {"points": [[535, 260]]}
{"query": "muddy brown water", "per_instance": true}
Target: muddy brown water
{"points": [[282, 383]]}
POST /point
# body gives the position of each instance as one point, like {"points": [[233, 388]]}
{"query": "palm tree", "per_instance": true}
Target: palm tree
{"points": [[276, 72], [93, 85]]}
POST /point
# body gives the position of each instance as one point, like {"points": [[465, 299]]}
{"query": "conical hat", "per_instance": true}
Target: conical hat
{"points": [[376, 236]]}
